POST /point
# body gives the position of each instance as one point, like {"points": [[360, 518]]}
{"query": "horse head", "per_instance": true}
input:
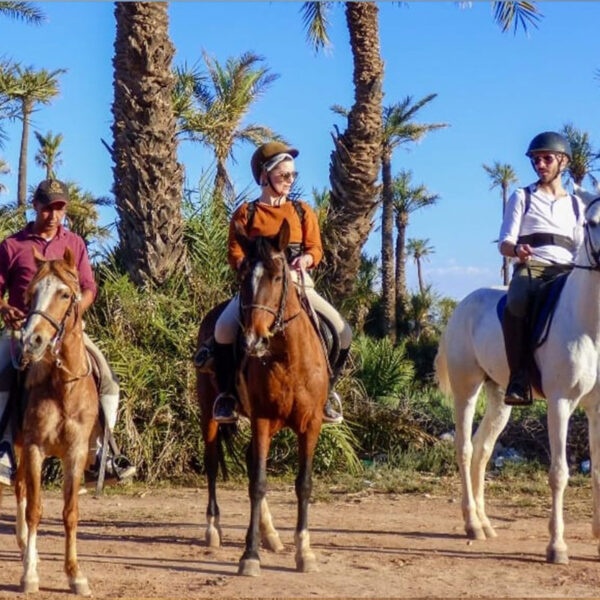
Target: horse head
{"points": [[592, 223], [52, 296], [264, 284]]}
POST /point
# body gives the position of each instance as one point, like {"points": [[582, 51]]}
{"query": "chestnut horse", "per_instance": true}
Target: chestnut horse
{"points": [[282, 382], [62, 408]]}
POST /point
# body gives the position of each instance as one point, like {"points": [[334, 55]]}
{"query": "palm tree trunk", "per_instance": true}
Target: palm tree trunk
{"points": [[356, 159], [401, 293], [222, 192], [420, 276], [26, 108], [388, 288], [147, 176]]}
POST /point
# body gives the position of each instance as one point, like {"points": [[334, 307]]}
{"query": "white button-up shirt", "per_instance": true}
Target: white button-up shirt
{"points": [[546, 214]]}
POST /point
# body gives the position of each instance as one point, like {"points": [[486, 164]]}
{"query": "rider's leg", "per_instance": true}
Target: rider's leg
{"points": [[224, 409], [515, 337], [332, 412], [118, 468], [7, 373]]}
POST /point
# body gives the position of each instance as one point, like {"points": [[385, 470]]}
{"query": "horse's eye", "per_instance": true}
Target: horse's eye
{"points": [[65, 295], [277, 278]]}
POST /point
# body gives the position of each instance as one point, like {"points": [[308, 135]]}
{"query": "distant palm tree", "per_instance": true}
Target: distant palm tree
{"points": [[25, 11], [419, 311], [147, 177], [502, 176], [398, 129], [4, 170], [583, 157], [407, 199], [27, 88], [356, 158], [82, 214], [48, 155], [210, 108], [419, 250]]}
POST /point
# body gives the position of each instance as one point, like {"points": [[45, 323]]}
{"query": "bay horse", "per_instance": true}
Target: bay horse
{"points": [[61, 410], [471, 353], [282, 382]]}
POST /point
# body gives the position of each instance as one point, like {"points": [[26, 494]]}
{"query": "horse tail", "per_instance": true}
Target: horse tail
{"points": [[226, 445], [441, 368]]}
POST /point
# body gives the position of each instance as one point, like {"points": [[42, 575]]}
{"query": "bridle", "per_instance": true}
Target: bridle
{"points": [[280, 322], [55, 343]]}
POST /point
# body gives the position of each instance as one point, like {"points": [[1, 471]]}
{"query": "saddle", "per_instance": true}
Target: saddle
{"points": [[539, 320]]}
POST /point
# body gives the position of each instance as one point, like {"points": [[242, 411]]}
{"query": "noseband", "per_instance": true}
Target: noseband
{"points": [[280, 323]]}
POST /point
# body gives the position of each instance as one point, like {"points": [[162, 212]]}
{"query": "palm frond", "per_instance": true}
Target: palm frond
{"points": [[314, 17], [24, 11], [515, 14]]}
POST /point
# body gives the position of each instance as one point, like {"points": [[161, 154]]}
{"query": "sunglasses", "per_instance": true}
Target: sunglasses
{"points": [[547, 159], [290, 176]]}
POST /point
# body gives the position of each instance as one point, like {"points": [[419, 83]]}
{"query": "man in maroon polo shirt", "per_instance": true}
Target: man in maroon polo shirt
{"points": [[17, 268]]}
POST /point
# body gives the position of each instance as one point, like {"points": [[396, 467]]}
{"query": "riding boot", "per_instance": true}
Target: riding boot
{"points": [[514, 328], [118, 469], [7, 459], [224, 408], [332, 411]]}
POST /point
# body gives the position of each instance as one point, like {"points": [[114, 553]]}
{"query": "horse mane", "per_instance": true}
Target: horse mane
{"points": [[58, 268]]}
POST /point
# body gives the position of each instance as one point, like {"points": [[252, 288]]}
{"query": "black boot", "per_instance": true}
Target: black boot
{"points": [[332, 411], [514, 328], [224, 408]]}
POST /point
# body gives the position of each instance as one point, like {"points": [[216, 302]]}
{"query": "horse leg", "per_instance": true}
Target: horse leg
{"points": [[213, 532], [558, 421], [306, 561], [465, 401], [32, 457], [261, 440], [593, 416], [493, 422], [268, 534], [21, 498]]}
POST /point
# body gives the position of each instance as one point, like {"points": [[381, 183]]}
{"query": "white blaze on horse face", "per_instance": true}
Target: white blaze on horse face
{"points": [[257, 275], [39, 331]]}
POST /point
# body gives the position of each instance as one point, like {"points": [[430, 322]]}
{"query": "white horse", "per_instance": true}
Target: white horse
{"points": [[471, 353]]}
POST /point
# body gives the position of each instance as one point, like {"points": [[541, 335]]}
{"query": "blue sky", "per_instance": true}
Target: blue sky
{"points": [[495, 90]]}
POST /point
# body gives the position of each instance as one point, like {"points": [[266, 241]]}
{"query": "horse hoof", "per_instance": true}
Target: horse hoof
{"points": [[30, 586], [273, 543], [489, 531], [249, 567], [80, 587], [307, 564], [212, 537], [557, 557], [475, 533]]}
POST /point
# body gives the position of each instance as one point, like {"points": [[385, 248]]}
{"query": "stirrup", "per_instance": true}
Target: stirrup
{"points": [[332, 411], [520, 397], [118, 470], [224, 408], [204, 358]]}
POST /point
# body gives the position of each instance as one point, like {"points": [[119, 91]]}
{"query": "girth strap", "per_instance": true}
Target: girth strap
{"points": [[547, 239]]}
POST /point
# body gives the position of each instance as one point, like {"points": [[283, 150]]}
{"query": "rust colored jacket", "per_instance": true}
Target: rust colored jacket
{"points": [[267, 222]]}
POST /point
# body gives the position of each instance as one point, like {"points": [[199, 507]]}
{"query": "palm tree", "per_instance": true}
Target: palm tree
{"points": [[210, 108], [515, 13], [407, 199], [356, 159], [82, 214], [419, 250], [25, 11], [583, 157], [147, 176], [27, 88], [502, 176], [4, 170], [48, 155], [398, 129]]}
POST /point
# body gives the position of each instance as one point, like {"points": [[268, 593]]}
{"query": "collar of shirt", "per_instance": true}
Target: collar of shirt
{"points": [[29, 233]]}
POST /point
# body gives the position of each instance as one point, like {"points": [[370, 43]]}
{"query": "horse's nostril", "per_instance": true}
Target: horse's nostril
{"points": [[36, 340]]}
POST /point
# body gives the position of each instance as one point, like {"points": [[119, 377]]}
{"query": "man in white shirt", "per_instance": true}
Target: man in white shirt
{"points": [[541, 230]]}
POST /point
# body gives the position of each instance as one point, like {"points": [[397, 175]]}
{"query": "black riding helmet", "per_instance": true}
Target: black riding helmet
{"points": [[549, 141]]}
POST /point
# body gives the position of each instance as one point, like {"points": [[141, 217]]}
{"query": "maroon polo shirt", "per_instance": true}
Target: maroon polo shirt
{"points": [[17, 265]]}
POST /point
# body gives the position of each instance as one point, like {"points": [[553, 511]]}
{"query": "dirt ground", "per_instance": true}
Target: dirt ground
{"points": [[151, 544]]}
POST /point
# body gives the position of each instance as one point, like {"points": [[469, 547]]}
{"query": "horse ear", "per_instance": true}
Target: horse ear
{"points": [[69, 258], [242, 237], [37, 257], [585, 196], [283, 237]]}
